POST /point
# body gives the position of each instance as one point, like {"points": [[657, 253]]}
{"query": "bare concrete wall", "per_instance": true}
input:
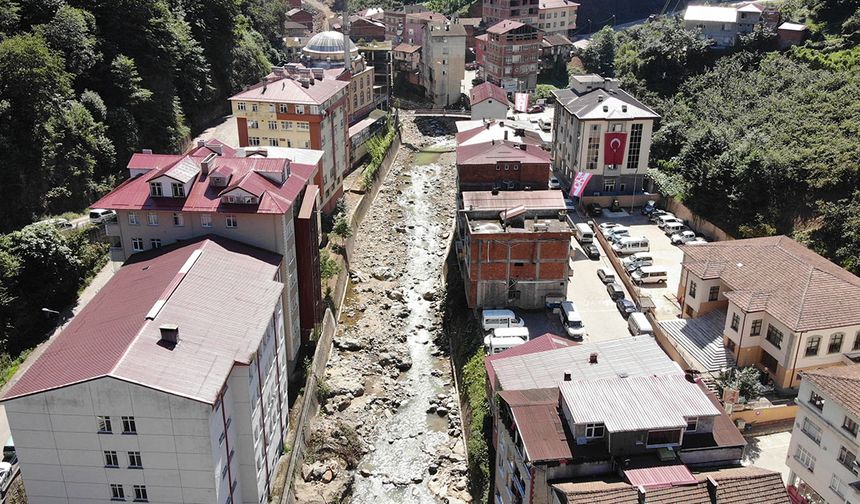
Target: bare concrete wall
{"points": [[696, 222]]}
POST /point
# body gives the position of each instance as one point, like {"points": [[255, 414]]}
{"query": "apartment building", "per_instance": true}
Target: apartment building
{"points": [[302, 17], [511, 55], [296, 107], [595, 411], [723, 25], [557, 17], [169, 386], [265, 198], [785, 308], [488, 131], [407, 63], [395, 21], [555, 52], [824, 445], [443, 62], [502, 165], [601, 130], [361, 28], [524, 11], [488, 101], [417, 25], [513, 247], [378, 55]]}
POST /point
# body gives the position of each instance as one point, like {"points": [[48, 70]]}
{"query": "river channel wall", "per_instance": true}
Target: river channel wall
{"points": [[297, 437]]}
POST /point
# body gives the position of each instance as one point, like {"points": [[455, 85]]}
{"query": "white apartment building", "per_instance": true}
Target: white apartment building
{"points": [[777, 300], [170, 386], [588, 119], [557, 16], [824, 446], [719, 24], [443, 62]]}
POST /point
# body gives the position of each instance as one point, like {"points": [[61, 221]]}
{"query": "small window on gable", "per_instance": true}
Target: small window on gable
{"points": [[155, 189]]}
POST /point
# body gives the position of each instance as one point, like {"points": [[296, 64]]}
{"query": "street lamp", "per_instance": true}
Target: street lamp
{"points": [[50, 311]]}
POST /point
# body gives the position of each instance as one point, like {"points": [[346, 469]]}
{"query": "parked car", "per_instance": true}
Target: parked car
{"points": [[617, 233], [569, 205], [682, 237], [665, 220], [592, 251], [648, 208], [605, 227], [606, 275], [595, 210], [534, 109], [472, 66], [637, 260], [494, 319], [697, 241], [5, 473], [615, 291], [554, 183], [571, 320], [99, 215], [675, 228], [657, 213], [625, 307]]}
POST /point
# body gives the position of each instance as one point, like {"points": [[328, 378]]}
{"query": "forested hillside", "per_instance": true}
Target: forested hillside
{"points": [[83, 84], [758, 141]]}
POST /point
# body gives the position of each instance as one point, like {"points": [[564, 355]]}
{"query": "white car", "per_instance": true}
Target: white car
{"points": [[5, 473], [697, 241], [554, 183], [607, 227], [569, 204], [99, 215], [617, 232], [683, 237]]}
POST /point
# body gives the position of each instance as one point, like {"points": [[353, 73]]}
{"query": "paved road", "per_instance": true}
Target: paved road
{"points": [[224, 130], [769, 451]]}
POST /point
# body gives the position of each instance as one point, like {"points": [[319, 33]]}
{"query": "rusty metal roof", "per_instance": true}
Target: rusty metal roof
{"points": [[219, 292], [543, 433], [660, 476]]}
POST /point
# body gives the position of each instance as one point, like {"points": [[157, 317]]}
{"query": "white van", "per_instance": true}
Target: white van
{"points": [[650, 274], [673, 228], [631, 245], [637, 260], [638, 325], [512, 332], [494, 319], [571, 320], [584, 234], [499, 345]]}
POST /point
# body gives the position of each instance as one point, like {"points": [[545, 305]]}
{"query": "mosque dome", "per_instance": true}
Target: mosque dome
{"points": [[327, 45]]}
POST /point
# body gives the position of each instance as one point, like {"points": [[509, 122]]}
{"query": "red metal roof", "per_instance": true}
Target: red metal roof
{"points": [[220, 292], [660, 476], [287, 90], [275, 198], [542, 431], [486, 91], [493, 152]]}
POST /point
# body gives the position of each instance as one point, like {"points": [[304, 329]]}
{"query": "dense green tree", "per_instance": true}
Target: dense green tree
{"points": [[72, 32], [94, 104], [10, 16], [599, 57]]}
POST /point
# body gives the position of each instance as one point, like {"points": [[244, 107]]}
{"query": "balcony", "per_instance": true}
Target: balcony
{"points": [[112, 229]]}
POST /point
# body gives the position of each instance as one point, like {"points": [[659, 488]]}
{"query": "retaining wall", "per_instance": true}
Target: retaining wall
{"points": [[695, 222]]}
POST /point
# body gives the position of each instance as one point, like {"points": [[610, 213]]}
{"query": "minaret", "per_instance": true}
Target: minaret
{"points": [[347, 56]]}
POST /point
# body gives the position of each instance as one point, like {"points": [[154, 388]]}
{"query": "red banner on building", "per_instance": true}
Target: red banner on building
{"points": [[579, 182], [613, 148], [521, 102]]}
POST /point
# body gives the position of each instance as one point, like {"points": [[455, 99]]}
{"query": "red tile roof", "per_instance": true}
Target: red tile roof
{"points": [[782, 277], [841, 384], [504, 26], [219, 292], [502, 151], [486, 91], [275, 198]]}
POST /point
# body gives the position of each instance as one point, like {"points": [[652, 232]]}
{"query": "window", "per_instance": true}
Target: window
{"points": [[813, 431], [152, 218], [663, 437], [134, 460], [768, 361], [273, 142], [283, 108], [254, 141], [103, 422], [812, 344], [205, 220], [595, 430], [593, 149], [271, 107], [178, 190], [155, 243], [835, 345], [609, 185], [285, 125], [692, 424], [774, 336], [137, 246], [756, 328], [231, 221], [635, 147], [805, 458], [178, 220], [837, 486], [155, 188], [856, 341], [111, 459], [817, 401], [846, 458], [850, 426], [273, 125], [116, 492], [303, 126], [253, 125], [300, 109], [132, 218], [714, 293], [254, 107], [241, 106], [128, 425], [693, 290], [140, 493], [736, 321]]}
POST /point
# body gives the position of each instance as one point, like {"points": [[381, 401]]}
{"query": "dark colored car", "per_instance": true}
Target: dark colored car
{"points": [[595, 210], [534, 109], [625, 307], [649, 208], [591, 251], [615, 291]]}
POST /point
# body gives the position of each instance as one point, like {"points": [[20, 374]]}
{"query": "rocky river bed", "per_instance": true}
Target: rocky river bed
{"points": [[390, 431]]}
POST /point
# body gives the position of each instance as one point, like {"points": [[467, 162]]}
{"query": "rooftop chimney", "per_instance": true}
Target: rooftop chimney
{"points": [[206, 164], [201, 143], [606, 108], [712, 489], [147, 151], [624, 108], [495, 191], [600, 98], [592, 359], [506, 134], [640, 494], [567, 377], [169, 334]]}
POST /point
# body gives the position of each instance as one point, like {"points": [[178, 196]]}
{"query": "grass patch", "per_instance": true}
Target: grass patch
{"points": [[475, 389], [426, 157], [9, 366]]}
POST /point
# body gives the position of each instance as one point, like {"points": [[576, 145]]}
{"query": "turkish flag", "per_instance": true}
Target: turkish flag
{"points": [[613, 148]]}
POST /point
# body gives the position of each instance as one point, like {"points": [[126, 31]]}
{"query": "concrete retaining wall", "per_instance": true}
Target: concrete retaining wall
{"points": [[696, 222]]}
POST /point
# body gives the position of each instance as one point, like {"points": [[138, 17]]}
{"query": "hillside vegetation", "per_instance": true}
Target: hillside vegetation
{"points": [[83, 84], [758, 141]]}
